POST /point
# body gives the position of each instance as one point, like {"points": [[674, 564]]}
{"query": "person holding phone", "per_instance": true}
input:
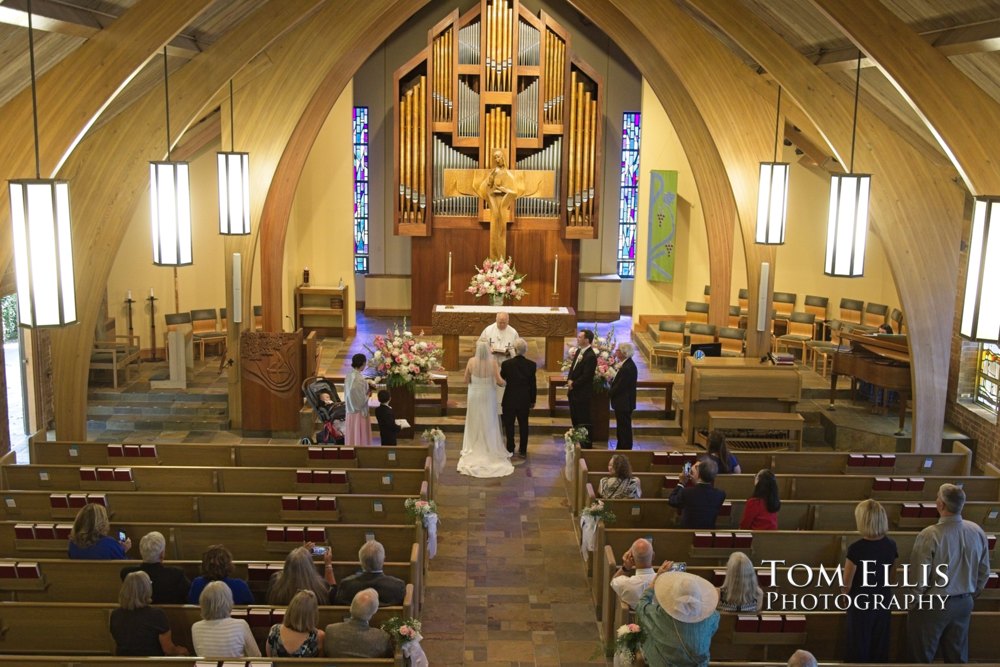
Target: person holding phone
{"points": [[299, 574], [90, 540], [700, 503]]}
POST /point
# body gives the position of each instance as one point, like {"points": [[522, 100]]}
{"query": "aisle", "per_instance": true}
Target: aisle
{"points": [[508, 585]]}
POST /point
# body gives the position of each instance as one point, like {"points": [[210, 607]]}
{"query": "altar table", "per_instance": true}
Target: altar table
{"points": [[553, 324]]}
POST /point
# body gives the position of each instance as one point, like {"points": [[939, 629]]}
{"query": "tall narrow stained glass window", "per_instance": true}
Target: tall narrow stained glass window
{"points": [[629, 198], [361, 189], [988, 376]]}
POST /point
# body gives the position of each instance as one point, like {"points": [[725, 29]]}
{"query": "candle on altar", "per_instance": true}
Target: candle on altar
{"points": [[150, 291], [555, 277], [129, 295], [449, 270]]}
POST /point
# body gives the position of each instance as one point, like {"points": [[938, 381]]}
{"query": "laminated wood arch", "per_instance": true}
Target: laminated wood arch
{"points": [[73, 93], [106, 190], [916, 208]]}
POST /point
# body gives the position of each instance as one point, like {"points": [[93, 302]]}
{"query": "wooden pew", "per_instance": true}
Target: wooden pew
{"points": [[114, 661], [66, 580], [150, 506], [395, 481], [222, 455], [29, 627], [187, 541], [813, 487], [557, 381]]}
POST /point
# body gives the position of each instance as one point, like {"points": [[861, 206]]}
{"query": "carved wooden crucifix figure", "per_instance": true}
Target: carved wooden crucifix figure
{"points": [[499, 187]]}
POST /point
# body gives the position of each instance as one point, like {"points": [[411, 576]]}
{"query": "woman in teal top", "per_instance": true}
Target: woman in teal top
{"points": [[677, 613]]}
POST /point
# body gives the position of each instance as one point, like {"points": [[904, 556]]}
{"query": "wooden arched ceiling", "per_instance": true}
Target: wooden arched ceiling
{"points": [[916, 209], [105, 191], [72, 94]]}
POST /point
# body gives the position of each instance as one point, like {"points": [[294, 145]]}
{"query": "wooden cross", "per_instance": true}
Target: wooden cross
{"points": [[499, 187]]}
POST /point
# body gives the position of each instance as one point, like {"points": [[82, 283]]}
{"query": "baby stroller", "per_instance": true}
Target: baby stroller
{"points": [[331, 414]]}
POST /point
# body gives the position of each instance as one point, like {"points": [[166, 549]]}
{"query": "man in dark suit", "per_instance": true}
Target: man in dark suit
{"points": [[519, 395], [580, 383], [699, 504], [390, 589], [387, 426], [622, 395]]}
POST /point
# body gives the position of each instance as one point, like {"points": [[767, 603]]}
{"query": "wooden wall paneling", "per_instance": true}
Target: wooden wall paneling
{"points": [[706, 163], [271, 381], [72, 94], [106, 190], [358, 27], [916, 209]]}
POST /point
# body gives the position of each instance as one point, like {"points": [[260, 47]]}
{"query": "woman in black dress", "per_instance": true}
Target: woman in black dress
{"points": [[875, 554]]}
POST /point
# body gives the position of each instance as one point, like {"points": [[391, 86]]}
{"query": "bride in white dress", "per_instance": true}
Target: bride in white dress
{"points": [[483, 450]]}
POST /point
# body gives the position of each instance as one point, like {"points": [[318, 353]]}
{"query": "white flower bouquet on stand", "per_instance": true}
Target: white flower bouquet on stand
{"points": [[424, 511], [498, 280]]}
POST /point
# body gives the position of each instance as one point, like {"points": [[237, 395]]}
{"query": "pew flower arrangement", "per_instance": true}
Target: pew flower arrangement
{"points": [[406, 635], [435, 437], [572, 438], [498, 279], [598, 511], [607, 363], [399, 359], [589, 516], [628, 641], [424, 511]]}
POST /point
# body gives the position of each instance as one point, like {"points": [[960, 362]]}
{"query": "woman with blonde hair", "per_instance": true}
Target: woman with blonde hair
{"points": [[137, 628], [621, 483], [299, 574], [217, 565], [740, 591], [297, 636], [868, 625], [218, 634], [90, 540]]}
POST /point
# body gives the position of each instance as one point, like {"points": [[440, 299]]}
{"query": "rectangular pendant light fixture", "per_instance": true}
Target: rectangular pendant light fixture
{"points": [[981, 309], [772, 193], [170, 201], [234, 184]]}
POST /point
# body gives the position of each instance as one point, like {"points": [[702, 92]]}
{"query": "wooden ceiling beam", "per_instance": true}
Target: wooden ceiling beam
{"points": [[63, 19]]}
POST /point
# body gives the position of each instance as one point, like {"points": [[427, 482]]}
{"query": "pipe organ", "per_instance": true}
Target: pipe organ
{"points": [[499, 78]]}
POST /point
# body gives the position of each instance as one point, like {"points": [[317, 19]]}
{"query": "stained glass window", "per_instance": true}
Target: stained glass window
{"points": [[988, 376], [629, 197], [361, 189]]}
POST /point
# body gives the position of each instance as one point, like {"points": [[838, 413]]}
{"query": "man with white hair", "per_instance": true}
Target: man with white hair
{"points": [[170, 586], [802, 659], [354, 638], [622, 394], [636, 573], [390, 590], [519, 395], [500, 337]]}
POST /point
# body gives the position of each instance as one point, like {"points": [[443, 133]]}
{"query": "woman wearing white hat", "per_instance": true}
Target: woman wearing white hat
{"points": [[679, 618]]}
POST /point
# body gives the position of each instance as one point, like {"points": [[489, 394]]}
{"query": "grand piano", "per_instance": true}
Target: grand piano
{"points": [[882, 360]]}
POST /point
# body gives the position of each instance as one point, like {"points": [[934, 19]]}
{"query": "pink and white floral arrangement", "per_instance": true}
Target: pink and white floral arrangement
{"points": [[497, 278], [399, 359], [607, 362]]}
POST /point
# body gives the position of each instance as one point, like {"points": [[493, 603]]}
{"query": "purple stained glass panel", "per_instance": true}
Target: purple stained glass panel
{"points": [[360, 129], [629, 194]]}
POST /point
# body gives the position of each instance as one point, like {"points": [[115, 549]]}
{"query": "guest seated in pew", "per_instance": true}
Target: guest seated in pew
{"points": [[679, 618], [699, 503], [217, 565], [297, 636], [761, 509], [868, 626], [621, 483], [802, 659], [718, 451], [391, 590], [170, 586], [299, 574], [636, 573], [219, 635], [388, 429], [353, 638], [137, 628], [90, 540], [740, 591]]}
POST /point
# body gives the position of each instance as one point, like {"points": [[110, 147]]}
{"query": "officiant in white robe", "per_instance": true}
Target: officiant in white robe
{"points": [[500, 337]]}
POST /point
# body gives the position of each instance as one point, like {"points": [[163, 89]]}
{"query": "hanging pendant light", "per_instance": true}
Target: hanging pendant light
{"points": [[981, 311], [42, 235], [170, 201], [772, 193], [234, 184], [847, 227]]}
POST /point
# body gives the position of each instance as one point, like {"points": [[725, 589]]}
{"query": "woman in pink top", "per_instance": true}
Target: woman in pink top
{"points": [[761, 510]]}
